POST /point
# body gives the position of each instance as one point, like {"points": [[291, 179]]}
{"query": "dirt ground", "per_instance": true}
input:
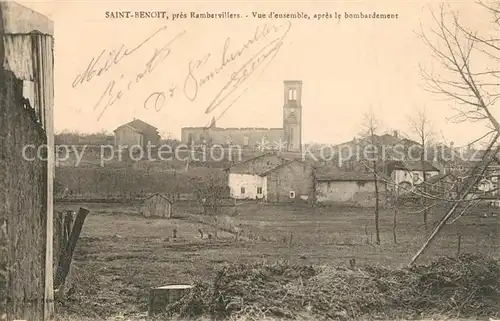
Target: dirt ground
{"points": [[120, 254]]}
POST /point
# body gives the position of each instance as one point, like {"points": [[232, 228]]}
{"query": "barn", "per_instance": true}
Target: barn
{"points": [[245, 180], [349, 188], [157, 205], [136, 133], [272, 178]]}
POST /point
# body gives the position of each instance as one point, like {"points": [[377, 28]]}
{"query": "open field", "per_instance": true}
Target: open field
{"points": [[121, 255]]}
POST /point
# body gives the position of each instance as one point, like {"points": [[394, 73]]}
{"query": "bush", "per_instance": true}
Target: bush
{"points": [[465, 286]]}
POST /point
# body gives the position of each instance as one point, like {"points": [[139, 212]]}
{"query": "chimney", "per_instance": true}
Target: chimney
{"points": [[395, 134]]}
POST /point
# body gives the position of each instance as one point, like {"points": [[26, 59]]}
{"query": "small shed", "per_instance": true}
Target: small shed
{"points": [[157, 205]]}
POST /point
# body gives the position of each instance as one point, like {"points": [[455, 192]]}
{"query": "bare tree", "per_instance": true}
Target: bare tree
{"points": [[421, 127], [469, 76], [372, 154], [210, 191]]}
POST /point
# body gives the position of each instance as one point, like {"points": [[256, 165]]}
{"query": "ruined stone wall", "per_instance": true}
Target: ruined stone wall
{"points": [[26, 71], [22, 208]]}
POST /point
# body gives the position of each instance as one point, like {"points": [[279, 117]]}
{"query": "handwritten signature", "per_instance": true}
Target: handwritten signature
{"points": [[115, 92], [271, 36], [229, 65], [113, 57]]}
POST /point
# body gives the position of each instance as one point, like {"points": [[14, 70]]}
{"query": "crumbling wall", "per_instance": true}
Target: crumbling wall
{"points": [[23, 177], [23, 208]]}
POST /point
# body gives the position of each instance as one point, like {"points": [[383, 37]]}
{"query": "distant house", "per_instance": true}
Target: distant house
{"points": [[407, 174], [335, 186], [157, 205], [444, 185], [136, 133], [292, 181], [245, 180], [391, 145], [272, 178]]}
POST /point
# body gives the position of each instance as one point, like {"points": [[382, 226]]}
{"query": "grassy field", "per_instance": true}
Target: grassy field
{"points": [[120, 254]]}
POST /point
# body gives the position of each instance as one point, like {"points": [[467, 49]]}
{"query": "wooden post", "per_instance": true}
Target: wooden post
{"points": [[161, 297], [65, 263], [394, 221], [459, 244], [48, 308]]}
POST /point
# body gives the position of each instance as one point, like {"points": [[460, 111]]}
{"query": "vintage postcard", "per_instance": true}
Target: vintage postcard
{"points": [[249, 160]]}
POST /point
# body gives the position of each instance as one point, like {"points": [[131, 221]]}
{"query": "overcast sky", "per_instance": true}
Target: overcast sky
{"points": [[347, 66]]}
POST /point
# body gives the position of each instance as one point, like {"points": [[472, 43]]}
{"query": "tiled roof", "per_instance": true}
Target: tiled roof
{"points": [[265, 173], [412, 166], [140, 126], [333, 174], [436, 178]]}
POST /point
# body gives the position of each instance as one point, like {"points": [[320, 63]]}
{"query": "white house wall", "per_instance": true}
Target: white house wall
{"points": [[250, 183], [400, 176]]}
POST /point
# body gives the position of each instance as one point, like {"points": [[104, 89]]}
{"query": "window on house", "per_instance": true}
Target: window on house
{"points": [[242, 190], [292, 94], [259, 190], [292, 194]]}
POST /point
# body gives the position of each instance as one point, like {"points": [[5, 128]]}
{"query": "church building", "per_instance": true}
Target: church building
{"points": [[287, 138]]}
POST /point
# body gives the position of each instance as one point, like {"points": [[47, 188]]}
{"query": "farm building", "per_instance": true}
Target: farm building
{"points": [[354, 188], [407, 174], [157, 205], [273, 178], [290, 182], [26, 119], [136, 133], [244, 179], [444, 185]]}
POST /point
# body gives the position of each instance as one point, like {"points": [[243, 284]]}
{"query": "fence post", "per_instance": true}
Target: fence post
{"points": [[65, 262]]}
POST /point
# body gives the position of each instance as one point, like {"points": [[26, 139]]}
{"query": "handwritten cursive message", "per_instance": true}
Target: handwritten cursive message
{"points": [[99, 65], [116, 88], [230, 68]]}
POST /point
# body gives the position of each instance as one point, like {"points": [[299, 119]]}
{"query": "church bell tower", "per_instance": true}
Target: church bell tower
{"points": [[292, 115]]}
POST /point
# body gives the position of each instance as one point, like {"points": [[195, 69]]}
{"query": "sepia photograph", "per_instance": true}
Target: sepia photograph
{"points": [[249, 160]]}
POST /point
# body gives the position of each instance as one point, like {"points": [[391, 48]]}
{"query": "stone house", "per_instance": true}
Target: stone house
{"points": [[290, 182], [272, 178], [444, 185], [407, 174], [349, 188], [245, 180], [136, 133]]}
